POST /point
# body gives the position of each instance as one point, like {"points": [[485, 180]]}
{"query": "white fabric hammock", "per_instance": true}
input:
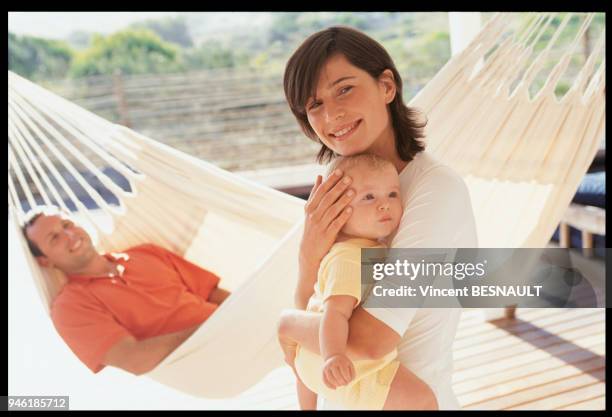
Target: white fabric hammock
{"points": [[522, 159]]}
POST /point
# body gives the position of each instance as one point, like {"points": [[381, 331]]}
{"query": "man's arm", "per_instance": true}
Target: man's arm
{"points": [[141, 356], [303, 327]]}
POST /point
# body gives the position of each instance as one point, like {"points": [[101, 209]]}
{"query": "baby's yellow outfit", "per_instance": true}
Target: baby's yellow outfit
{"points": [[340, 274]]}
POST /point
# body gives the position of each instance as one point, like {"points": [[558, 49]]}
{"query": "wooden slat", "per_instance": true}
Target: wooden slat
{"points": [[530, 368], [566, 397], [541, 393], [526, 334], [542, 377], [597, 403], [521, 354], [491, 330], [478, 325]]}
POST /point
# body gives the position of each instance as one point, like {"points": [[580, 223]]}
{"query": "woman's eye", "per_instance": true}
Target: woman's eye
{"points": [[346, 89], [368, 197], [393, 194], [314, 105]]}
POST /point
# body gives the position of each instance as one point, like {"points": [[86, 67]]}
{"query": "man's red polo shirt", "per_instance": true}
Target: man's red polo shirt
{"points": [[158, 293]]}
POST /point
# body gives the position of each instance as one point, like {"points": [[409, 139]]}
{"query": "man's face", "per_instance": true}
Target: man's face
{"points": [[377, 205], [65, 245]]}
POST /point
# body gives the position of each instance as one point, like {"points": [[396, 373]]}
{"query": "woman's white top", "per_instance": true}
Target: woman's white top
{"points": [[437, 214]]}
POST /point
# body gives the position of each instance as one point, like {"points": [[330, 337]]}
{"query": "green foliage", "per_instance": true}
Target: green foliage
{"points": [[170, 29], [37, 58], [132, 51], [283, 25], [212, 54], [420, 58], [272, 59], [293, 26], [79, 39], [561, 89], [570, 31], [355, 20]]}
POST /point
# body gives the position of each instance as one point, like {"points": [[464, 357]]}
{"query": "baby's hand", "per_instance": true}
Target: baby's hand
{"points": [[338, 370]]}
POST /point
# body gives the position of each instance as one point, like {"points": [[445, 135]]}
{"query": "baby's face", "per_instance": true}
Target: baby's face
{"points": [[377, 205]]}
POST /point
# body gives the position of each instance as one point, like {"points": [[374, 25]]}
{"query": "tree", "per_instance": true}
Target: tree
{"points": [[79, 39], [170, 29], [284, 24], [418, 59], [355, 20], [132, 51], [212, 54], [37, 58]]}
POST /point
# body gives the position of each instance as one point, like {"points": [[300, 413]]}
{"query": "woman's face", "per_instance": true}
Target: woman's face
{"points": [[349, 112]]}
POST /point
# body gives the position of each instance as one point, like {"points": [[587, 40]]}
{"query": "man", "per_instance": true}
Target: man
{"points": [[129, 310]]}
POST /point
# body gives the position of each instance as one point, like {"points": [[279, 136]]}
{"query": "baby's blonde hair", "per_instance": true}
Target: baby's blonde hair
{"points": [[347, 162]]}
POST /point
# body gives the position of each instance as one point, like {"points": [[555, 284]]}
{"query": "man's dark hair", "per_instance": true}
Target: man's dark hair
{"points": [[34, 249], [302, 73]]}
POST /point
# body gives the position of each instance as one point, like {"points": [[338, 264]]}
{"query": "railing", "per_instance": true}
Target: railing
{"points": [[238, 120]]}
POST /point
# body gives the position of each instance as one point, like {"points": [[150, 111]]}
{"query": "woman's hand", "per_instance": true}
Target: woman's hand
{"points": [[326, 213], [338, 370]]}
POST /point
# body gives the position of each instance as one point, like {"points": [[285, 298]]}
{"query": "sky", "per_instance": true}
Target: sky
{"points": [[58, 25]]}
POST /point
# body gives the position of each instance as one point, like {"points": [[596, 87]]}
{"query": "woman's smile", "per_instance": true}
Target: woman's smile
{"points": [[345, 132]]}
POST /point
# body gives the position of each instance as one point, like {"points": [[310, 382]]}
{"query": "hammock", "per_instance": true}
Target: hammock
{"points": [[522, 159]]}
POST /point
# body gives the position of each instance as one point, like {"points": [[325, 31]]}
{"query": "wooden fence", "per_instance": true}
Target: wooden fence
{"points": [[238, 120]]}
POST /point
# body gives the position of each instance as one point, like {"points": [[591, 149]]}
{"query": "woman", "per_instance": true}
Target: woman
{"points": [[345, 92]]}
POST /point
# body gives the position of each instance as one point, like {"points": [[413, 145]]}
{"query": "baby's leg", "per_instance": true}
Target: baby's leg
{"points": [[306, 398], [302, 327], [409, 392]]}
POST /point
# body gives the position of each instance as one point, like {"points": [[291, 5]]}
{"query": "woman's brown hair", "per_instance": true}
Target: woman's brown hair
{"points": [[302, 73]]}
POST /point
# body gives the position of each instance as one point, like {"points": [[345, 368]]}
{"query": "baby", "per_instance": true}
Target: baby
{"points": [[362, 384]]}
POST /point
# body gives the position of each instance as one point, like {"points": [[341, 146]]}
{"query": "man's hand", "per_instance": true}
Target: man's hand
{"points": [[218, 295], [338, 370]]}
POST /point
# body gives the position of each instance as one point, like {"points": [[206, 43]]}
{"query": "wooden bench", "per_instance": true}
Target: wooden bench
{"points": [[589, 220]]}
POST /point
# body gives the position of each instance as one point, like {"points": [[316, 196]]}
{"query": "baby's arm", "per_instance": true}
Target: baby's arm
{"points": [[338, 369]]}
